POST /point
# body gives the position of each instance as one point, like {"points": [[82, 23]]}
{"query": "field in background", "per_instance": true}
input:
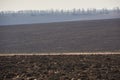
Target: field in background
{"points": [[76, 36]]}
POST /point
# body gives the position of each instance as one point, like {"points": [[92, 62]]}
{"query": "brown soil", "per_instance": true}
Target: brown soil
{"points": [[60, 67]]}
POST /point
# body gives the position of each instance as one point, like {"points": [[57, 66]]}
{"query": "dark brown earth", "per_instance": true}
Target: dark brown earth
{"points": [[76, 36], [59, 67]]}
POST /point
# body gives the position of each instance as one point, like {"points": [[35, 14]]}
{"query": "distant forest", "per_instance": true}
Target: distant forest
{"points": [[62, 12]]}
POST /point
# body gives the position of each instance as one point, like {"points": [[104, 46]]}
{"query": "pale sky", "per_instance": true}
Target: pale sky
{"points": [[16, 5]]}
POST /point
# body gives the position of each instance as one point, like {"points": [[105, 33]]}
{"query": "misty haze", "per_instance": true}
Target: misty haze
{"points": [[48, 16]]}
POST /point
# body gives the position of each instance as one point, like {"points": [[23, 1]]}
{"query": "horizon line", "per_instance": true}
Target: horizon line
{"points": [[60, 9]]}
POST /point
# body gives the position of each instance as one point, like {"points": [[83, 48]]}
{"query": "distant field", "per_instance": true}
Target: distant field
{"points": [[76, 36]]}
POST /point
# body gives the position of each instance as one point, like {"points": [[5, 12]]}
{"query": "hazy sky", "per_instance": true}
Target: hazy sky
{"points": [[56, 4]]}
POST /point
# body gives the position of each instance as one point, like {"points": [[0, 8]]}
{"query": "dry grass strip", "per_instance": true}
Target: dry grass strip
{"points": [[40, 54]]}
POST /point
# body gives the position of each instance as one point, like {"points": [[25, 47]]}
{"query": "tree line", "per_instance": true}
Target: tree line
{"points": [[62, 12]]}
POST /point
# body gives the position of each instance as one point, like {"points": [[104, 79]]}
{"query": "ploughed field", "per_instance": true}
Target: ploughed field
{"points": [[74, 36], [60, 67]]}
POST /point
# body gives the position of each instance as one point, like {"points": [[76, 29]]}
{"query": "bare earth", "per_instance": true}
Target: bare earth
{"points": [[60, 67], [62, 37], [79, 50]]}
